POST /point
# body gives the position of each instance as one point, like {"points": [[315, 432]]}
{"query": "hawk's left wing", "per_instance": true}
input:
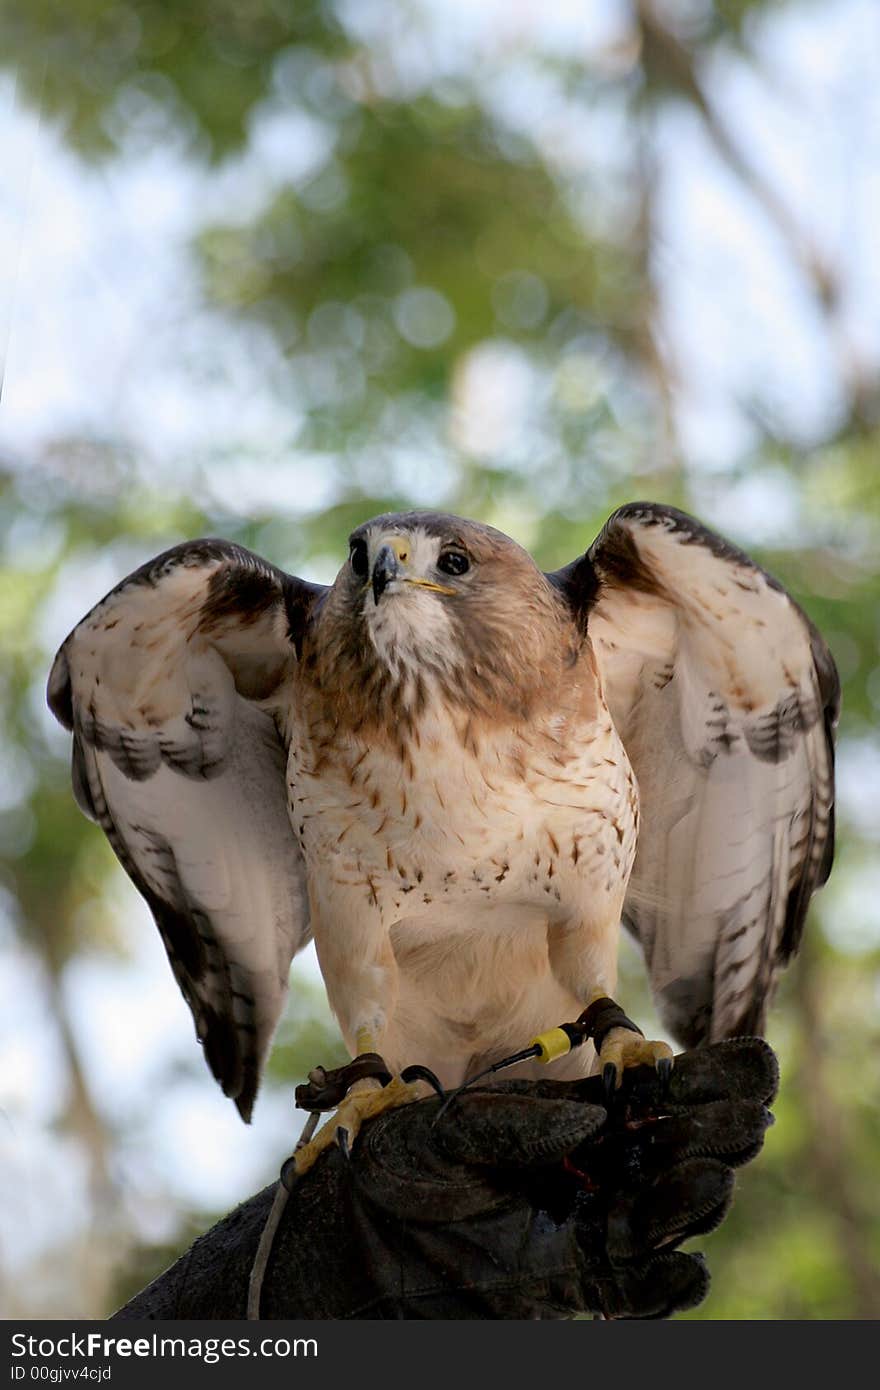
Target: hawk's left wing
{"points": [[165, 686], [725, 697]]}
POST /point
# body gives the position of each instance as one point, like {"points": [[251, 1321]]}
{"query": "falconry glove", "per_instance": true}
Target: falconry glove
{"points": [[529, 1200]]}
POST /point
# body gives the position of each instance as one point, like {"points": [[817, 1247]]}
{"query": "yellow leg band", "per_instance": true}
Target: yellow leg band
{"points": [[364, 1041], [554, 1043]]}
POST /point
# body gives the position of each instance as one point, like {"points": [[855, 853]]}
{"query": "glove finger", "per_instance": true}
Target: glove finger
{"points": [[732, 1131], [741, 1069], [667, 1284], [690, 1199], [734, 1069], [506, 1130]]}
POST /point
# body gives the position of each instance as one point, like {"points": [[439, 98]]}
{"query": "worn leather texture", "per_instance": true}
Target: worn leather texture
{"points": [[525, 1200]]}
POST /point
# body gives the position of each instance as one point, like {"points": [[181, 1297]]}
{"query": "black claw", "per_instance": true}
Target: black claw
{"points": [[288, 1175], [420, 1073], [609, 1081], [344, 1143], [664, 1071]]}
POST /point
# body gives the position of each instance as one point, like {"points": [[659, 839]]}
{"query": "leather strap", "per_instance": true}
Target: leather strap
{"points": [[598, 1019]]}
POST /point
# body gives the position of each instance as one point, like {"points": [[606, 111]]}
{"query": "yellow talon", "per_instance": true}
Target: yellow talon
{"points": [[622, 1048], [364, 1100]]}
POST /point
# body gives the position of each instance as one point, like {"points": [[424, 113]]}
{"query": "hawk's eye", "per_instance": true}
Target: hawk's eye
{"points": [[453, 562], [359, 558]]}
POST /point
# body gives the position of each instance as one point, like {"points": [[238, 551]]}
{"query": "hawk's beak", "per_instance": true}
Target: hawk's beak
{"points": [[386, 568]]}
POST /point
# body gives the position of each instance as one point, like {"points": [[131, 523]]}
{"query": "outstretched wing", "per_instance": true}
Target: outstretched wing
{"points": [[165, 685], [725, 697]]}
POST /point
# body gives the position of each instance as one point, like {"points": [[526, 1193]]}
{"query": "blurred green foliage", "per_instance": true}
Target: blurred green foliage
{"points": [[426, 229]]}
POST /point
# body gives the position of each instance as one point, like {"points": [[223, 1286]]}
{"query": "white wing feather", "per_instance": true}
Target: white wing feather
{"points": [[725, 697], [186, 775]]}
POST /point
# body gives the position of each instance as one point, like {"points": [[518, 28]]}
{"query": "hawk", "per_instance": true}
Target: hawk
{"points": [[460, 774]]}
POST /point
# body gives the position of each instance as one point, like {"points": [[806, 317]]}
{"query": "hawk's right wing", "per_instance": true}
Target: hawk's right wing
{"points": [[165, 685]]}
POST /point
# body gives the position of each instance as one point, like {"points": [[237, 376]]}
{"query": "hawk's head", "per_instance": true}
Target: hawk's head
{"points": [[429, 602]]}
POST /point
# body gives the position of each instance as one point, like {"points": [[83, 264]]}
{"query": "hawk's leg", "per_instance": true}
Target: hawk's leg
{"points": [[583, 957], [361, 976], [371, 1095], [619, 1043]]}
